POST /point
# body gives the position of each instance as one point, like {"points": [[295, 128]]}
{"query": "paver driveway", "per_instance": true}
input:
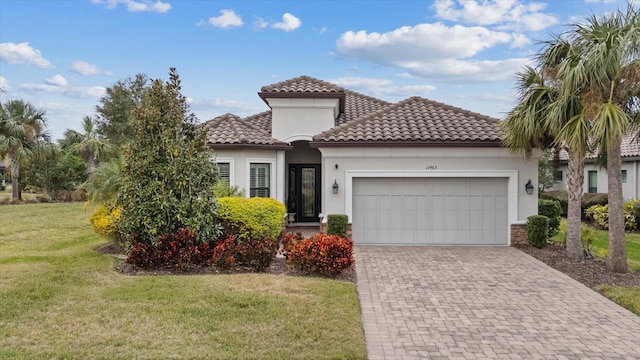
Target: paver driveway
{"points": [[484, 302]]}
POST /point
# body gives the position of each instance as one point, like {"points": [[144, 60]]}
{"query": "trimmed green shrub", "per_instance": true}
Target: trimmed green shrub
{"points": [[255, 254], [552, 210], [538, 230], [561, 196], [223, 189], [327, 255], [337, 224], [251, 218]]}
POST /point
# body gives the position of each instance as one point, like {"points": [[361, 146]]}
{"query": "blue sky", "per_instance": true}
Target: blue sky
{"points": [[61, 55]]}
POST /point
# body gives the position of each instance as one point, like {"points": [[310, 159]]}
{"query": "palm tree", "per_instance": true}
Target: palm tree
{"points": [[88, 145], [104, 183], [22, 137], [603, 66], [541, 119]]}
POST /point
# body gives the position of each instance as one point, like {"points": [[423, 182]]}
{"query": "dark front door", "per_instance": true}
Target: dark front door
{"points": [[304, 192]]}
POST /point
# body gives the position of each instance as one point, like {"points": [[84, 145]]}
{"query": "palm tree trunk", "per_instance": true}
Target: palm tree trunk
{"points": [[574, 212], [617, 258], [15, 176]]}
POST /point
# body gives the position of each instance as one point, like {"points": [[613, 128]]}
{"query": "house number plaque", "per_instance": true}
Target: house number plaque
{"points": [[432, 167]]}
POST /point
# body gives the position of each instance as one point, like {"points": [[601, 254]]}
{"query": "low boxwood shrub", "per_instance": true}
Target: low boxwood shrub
{"points": [[179, 250], [255, 254], [561, 196], [538, 230], [323, 254], [251, 218], [337, 224], [552, 210]]}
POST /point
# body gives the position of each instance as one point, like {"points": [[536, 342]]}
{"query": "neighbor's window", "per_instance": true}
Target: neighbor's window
{"points": [[557, 176], [259, 180], [223, 171], [624, 176], [593, 181]]}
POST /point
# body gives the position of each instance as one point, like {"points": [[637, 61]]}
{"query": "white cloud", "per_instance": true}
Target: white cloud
{"points": [[405, 75], [507, 14], [85, 68], [289, 23], [597, 1], [435, 51], [382, 87], [22, 53], [520, 40], [4, 85], [260, 24], [53, 86], [419, 43], [321, 30], [227, 18], [56, 80], [136, 6]]}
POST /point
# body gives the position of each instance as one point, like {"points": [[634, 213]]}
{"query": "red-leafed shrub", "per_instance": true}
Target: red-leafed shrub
{"points": [[288, 240], [323, 254], [254, 254], [179, 250]]}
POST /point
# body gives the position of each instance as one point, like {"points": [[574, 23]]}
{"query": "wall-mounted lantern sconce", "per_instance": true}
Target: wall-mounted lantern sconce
{"points": [[335, 186], [336, 166], [528, 187]]}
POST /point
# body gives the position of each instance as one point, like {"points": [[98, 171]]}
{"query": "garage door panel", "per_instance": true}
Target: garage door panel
{"points": [[430, 210]]}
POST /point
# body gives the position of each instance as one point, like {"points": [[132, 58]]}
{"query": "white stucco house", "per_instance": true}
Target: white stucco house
{"points": [[412, 172], [595, 177]]}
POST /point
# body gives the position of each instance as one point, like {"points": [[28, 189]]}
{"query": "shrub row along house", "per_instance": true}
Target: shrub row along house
{"points": [[412, 172], [595, 176]]}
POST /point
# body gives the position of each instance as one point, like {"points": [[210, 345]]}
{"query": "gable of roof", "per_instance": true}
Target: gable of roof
{"points": [[231, 131], [416, 122], [304, 87]]}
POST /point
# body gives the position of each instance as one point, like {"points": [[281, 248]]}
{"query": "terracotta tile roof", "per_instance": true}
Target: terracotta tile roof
{"points": [[358, 105], [302, 84], [261, 120], [417, 120], [229, 130], [630, 147]]}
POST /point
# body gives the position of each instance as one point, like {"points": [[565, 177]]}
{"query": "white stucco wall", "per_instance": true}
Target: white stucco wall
{"points": [[630, 189], [240, 159], [300, 119], [428, 162]]}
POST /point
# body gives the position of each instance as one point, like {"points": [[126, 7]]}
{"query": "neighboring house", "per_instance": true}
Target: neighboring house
{"points": [[595, 177], [412, 172]]}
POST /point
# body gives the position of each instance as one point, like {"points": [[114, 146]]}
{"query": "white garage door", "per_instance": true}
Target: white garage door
{"points": [[434, 211]]}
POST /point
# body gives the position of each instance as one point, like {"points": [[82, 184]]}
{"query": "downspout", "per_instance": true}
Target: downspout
{"points": [[635, 179]]}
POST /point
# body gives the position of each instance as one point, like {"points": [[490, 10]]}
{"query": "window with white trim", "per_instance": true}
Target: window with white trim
{"points": [[624, 176], [224, 172], [260, 178]]}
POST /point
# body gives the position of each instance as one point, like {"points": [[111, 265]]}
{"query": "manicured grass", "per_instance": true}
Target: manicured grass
{"points": [[627, 297], [60, 299], [601, 243]]}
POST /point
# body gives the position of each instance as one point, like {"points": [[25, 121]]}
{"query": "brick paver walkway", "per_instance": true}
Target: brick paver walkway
{"points": [[484, 303]]}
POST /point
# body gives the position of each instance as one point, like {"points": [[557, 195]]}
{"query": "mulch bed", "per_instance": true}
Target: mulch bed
{"points": [[278, 267], [590, 272]]}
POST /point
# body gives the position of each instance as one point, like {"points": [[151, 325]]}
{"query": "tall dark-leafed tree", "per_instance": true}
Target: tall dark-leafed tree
{"points": [[87, 144], [168, 176], [22, 137], [113, 114]]}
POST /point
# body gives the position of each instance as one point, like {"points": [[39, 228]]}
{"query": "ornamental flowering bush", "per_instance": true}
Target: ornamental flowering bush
{"points": [[323, 254], [179, 250], [288, 241], [105, 221], [255, 254]]}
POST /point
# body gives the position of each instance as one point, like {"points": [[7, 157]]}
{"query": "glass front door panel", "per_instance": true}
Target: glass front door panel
{"points": [[308, 192]]}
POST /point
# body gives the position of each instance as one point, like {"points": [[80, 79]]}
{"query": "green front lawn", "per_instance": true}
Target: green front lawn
{"points": [[601, 244], [60, 299], [626, 297]]}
